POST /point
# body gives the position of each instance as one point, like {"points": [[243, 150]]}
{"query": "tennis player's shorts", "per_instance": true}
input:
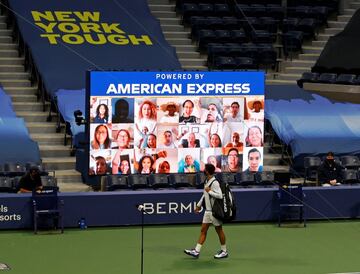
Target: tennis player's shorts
{"points": [[210, 219]]}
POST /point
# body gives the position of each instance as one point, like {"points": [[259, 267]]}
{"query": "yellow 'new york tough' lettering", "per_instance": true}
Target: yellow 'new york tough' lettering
{"points": [[76, 28]]}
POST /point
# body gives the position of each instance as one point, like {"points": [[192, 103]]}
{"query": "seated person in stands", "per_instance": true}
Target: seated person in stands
{"points": [[102, 114], [191, 141], [122, 112], [189, 165], [31, 181], [101, 138], [329, 173], [254, 158], [233, 163]]}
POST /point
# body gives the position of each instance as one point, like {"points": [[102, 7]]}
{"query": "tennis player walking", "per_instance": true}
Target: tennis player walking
{"points": [[212, 191]]}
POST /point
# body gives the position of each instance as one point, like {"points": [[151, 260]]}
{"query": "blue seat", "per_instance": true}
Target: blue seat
{"points": [[231, 23], [349, 176], [222, 10], [224, 62], [327, 78], [289, 24], [223, 36], [308, 27], [205, 36], [267, 178], [291, 197], [138, 181], [14, 169], [238, 36], [245, 63], [182, 180], [346, 79], [47, 204], [350, 162], [116, 182], [307, 77], [6, 184], [206, 9], [261, 36], [157, 181], [49, 183], [245, 179], [226, 177], [275, 11], [188, 10], [292, 42], [311, 165]]}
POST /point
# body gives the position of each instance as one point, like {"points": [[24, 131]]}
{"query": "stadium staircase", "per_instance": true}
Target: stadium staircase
{"points": [[15, 81]]}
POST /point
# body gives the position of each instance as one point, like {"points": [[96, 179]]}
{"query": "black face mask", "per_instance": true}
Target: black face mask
{"points": [[330, 161]]}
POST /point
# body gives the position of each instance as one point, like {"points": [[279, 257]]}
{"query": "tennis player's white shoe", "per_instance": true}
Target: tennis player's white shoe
{"points": [[221, 254], [192, 252]]}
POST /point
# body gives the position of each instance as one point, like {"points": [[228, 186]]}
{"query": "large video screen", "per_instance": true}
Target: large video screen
{"points": [[175, 122]]}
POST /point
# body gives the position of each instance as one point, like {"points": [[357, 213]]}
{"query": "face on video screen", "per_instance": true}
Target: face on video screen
{"points": [[175, 134]]}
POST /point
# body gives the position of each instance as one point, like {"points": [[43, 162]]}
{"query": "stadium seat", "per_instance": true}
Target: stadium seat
{"points": [[308, 27], [49, 182], [181, 180], [223, 36], [267, 178], [14, 169], [307, 77], [327, 78], [245, 63], [346, 79], [289, 24], [231, 23], [292, 42], [224, 62], [138, 181], [226, 177], [157, 181], [238, 36], [116, 182], [6, 184], [206, 9], [245, 179], [222, 10], [47, 204], [205, 36], [261, 36], [289, 198], [350, 162], [349, 176], [311, 165], [275, 11]]}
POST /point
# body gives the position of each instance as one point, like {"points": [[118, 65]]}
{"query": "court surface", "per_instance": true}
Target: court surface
{"points": [[321, 247]]}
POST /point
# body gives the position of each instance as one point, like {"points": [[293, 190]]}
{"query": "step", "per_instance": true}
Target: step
{"points": [[170, 21], [179, 41], [272, 159], [38, 127], [323, 37], [312, 49], [333, 31], [158, 2], [298, 63], [9, 53], [5, 32], [349, 11], [280, 82], [73, 187], [193, 62], [12, 68], [169, 7], [337, 24], [297, 70], [355, 5], [27, 106], [288, 76], [9, 46], [21, 91], [172, 28], [12, 61], [3, 25], [14, 76], [188, 54], [15, 83], [276, 168], [164, 14], [195, 68], [6, 40], [178, 35], [343, 18], [54, 150], [186, 48], [48, 139], [59, 163], [32, 116], [23, 98], [309, 56], [319, 43]]}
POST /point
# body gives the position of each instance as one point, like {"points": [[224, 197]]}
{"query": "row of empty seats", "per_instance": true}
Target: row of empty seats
{"points": [[181, 180], [329, 78], [18, 169], [11, 184]]}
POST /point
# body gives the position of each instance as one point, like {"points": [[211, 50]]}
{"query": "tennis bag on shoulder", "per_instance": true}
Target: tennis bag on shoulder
{"points": [[224, 209]]}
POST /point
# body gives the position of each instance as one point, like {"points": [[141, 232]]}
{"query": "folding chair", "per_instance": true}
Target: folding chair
{"points": [[47, 204], [291, 197]]}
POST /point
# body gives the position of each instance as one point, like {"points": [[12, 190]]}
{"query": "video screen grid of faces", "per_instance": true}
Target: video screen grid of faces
{"points": [[175, 134]]}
